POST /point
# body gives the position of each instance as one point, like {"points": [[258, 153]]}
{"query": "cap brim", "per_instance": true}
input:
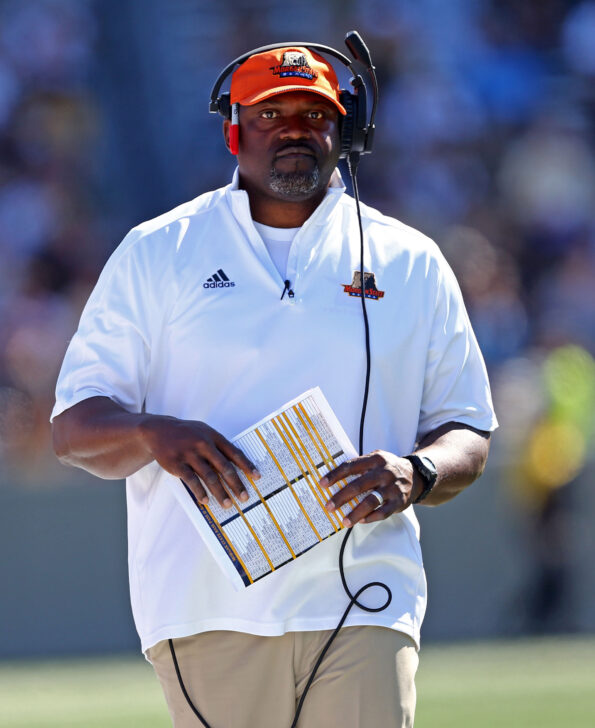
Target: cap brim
{"points": [[257, 98]]}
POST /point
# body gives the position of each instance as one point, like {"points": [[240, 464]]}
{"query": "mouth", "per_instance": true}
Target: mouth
{"points": [[295, 152]]}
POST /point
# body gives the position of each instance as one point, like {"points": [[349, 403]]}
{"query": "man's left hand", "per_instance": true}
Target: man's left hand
{"points": [[390, 476]]}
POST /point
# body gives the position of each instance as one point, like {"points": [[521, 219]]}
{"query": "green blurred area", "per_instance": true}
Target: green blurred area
{"points": [[524, 684], [543, 683], [81, 693]]}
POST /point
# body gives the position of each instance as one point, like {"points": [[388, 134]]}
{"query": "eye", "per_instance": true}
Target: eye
{"points": [[269, 114], [315, 114]]}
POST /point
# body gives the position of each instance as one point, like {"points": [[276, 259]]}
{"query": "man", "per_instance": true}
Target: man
{"points": [[166, 366]]}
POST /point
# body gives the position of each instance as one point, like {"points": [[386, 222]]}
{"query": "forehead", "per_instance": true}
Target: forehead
{"points": [[295, 99]]}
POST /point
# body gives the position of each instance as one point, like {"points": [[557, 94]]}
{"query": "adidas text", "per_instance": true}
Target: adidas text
{"points": [[218, 284]]}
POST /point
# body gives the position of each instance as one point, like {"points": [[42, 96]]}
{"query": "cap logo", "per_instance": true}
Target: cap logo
{"points": [[294, 64]]}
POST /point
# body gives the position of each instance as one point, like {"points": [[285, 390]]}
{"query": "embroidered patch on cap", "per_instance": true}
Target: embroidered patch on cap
{"points": [[294, 64], [370, 287]]}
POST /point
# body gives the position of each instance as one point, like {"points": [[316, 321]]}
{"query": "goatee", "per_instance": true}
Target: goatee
{"points": [[294, 184]]}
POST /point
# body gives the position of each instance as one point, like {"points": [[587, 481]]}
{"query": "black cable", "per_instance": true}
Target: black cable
{"points": [[352, 162], [353, 599], [183, 687]]}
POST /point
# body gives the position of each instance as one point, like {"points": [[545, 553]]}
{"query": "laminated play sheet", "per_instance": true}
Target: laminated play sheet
{"points": [[292, 448]]}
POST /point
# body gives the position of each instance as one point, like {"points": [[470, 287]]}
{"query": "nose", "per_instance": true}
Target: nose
{"points": [[295, 127]]}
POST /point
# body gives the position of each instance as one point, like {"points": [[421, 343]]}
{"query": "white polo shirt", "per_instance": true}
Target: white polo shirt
{"points": [[187, 320]]}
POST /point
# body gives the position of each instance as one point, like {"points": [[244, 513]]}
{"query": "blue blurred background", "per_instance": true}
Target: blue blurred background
{"points": [[485, 142]]}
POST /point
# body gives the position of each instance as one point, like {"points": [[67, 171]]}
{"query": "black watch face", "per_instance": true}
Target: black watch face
{"points": [[427, 469]]}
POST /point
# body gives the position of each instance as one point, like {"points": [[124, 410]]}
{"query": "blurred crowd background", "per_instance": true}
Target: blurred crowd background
{"points": [[485, 141]]}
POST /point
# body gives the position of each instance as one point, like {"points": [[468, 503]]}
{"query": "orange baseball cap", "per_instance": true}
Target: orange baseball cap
{"points": [[281, 70]]}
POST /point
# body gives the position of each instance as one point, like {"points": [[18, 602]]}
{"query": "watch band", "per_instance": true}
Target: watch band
{"points": [[426, 468]]}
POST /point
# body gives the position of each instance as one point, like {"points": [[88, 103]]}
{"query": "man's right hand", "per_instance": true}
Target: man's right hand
{"points": [[101, 437], [195, 452]]}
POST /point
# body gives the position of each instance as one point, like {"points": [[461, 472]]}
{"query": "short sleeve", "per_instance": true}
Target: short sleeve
{"points": [[110, 352], [456, 386]]}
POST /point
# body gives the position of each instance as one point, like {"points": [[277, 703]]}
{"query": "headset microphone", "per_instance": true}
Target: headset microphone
{"points": [[361, 54], [358, 49]]}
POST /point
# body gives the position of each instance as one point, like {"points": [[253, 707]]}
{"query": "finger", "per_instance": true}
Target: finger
{"points": [[383, 512], [228, 474], [211, 480], [356, 466], [367, 481], [362, 511], [237, 457], [191, 480]]}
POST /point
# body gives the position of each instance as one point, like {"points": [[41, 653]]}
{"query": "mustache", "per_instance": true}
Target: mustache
{"points": [[296, 148]]}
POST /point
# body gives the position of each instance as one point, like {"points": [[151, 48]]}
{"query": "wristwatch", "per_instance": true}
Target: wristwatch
{"points": [[426, 468]]}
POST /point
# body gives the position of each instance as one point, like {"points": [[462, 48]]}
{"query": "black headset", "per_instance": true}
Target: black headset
{"points": [[357, 133]]}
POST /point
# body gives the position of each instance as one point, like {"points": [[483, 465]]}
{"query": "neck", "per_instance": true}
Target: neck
{"points": [[281, 214], [275, 210]]}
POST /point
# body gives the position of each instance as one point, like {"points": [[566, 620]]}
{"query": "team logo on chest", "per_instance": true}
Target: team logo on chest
{"points": [[370, 287], [218, 280]]}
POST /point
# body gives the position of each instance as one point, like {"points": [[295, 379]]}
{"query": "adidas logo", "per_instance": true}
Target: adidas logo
{"points": [[218, 280]]}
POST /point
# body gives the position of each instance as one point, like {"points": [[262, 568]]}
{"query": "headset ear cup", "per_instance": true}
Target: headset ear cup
{"points": [[348, 101], [224, 106]]}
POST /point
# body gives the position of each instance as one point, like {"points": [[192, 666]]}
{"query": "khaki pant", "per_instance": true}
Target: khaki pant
{"points": [[239, 680]]}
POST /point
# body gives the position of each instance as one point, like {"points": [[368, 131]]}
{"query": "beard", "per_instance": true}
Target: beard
{"points": [[297, 185]]}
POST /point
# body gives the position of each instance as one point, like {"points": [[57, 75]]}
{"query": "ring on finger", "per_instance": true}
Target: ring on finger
{"points": [[379, 497]]}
